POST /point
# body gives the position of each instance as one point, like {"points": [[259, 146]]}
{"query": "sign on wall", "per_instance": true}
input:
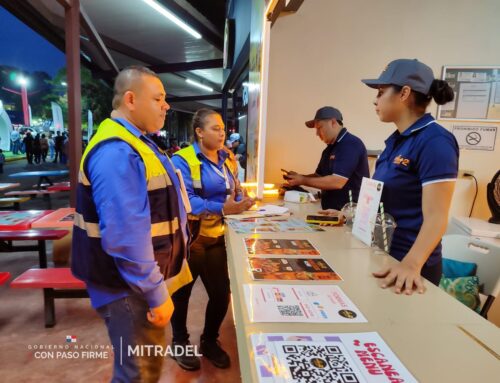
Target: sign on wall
{"points": [[477, 93], [475, 137]]}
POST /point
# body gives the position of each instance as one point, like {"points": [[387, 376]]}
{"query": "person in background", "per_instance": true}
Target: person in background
{"points": [[37, 149], [174, 147], [130, 235], [44, 147], [58, 147], [210, 178], [65, 148], [28, 147], [419, 167], [239, 149], [343, 163]]}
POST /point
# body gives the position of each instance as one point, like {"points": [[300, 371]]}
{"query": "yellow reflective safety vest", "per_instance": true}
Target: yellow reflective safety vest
{"points": [[89, 261], [208, 225]]}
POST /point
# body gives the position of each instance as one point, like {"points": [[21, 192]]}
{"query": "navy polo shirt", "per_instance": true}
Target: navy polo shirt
{"points": [[346, 158], [424, 153]]}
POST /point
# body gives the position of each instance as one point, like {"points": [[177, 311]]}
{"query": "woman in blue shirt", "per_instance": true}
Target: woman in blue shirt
{"points": [[419, 167], [210, 179]]}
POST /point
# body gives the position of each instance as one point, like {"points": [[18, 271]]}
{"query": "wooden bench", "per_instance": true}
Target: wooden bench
{"points": [[13, 202], [46, 194], [4, 277], [56, 283]]}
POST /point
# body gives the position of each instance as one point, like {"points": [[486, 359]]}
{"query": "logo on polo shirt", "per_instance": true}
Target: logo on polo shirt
{"points": [[400, 160], [332, 157]]}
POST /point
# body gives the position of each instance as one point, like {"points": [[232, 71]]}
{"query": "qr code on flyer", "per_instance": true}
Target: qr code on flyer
{"points": [[318, 363], [290, 310]]}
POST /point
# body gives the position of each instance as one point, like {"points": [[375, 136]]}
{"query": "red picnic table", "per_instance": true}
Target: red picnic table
{"points": [[16, 226], [60, 218]]}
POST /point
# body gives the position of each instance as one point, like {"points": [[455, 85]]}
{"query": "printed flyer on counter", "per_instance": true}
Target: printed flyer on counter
{"points": [[271, 225], [292, 269], [315, 358], [300, 303], [267, 246]]}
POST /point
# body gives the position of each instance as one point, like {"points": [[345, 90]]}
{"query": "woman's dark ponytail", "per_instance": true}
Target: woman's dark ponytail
{"points": [[441, 92], [199, 120]]}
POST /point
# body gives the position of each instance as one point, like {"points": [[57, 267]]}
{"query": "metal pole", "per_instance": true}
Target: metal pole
{"points": [[72, 33], [24, 99]]}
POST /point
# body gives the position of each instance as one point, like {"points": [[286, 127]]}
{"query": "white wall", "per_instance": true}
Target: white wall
{"points": [[319, 55]]}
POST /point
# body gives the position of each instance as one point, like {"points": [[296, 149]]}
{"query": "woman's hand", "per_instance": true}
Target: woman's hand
{"points": [[231, 206], [404, 276]]}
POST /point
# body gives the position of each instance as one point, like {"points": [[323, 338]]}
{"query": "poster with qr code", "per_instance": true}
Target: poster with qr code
{"points": [[300, 303], [325, 358]]}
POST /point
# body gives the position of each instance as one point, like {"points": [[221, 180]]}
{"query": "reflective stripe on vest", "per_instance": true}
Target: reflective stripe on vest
{"points": [[156, 175], [157, 178]]}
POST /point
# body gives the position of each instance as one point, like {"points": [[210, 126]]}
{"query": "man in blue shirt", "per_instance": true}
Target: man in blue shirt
{"points": [[130, 238], [343, 164]]}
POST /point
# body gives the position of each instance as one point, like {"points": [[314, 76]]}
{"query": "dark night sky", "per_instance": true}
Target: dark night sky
{"points": [[23, 48]]}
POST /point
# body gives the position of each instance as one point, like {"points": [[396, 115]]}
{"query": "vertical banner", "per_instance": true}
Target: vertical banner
{"points": [[57, 117], [5, 129], [260, 30], [90, 125]]}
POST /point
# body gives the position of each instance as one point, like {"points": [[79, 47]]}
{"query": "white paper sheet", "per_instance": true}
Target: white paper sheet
{"points": [[319, 357], [366, 210], [300, 303]]}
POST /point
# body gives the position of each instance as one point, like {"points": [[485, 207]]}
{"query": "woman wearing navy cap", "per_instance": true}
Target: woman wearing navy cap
{"points": [[419, 167]]}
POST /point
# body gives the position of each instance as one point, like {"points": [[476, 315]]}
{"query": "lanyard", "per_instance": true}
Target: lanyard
{"points": [[223, 175]]}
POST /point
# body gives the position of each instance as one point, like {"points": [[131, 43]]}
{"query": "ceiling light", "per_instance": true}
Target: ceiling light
{"points": [[169, 15], [199, 85]]}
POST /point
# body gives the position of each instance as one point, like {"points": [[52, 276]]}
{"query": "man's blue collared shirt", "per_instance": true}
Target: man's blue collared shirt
{"points": [[346, 157]]}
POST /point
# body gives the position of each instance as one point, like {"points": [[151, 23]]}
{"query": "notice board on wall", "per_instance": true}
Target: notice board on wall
{"points": [[477, 94]]}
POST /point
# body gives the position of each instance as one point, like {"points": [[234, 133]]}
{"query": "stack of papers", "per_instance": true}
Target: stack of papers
{"points": [[261, 211]]}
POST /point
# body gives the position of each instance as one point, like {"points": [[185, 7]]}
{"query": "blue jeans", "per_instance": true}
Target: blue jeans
{"points": [[128, 326]]}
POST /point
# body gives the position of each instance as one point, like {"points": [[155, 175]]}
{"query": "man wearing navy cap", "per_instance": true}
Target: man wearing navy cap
{"points": [[343, 164]]}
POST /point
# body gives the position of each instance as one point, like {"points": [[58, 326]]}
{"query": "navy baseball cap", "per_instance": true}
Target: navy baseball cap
{"points": [[402, 72], [325, 113]]}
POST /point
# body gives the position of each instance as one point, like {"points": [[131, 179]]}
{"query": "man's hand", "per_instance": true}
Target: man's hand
{"points": [[294, 179], [160, 316], [236, 207], [404, 277]]}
